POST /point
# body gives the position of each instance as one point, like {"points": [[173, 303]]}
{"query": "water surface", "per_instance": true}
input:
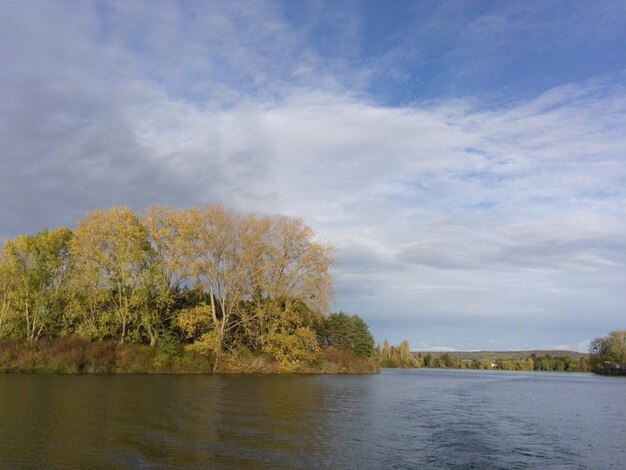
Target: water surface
{"points": [[425, 418]]}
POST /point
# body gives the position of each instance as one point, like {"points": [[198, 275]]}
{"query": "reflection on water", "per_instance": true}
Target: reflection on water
{"points": [[397, 419]]}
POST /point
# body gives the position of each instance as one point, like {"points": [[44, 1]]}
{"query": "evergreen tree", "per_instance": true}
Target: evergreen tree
{"points": [[345, 331]]}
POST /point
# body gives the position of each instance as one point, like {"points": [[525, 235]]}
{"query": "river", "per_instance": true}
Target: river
{"points": [[425, 418]]}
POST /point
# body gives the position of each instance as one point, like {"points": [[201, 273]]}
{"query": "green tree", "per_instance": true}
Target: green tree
{"points": [[428, 360], [6, 288], [37, 265], [350, 332], [608, 354]]}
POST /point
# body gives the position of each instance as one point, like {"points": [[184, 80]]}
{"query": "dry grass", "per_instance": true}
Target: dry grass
{"points": [[80, 356], [329, 361], [245, 362]]}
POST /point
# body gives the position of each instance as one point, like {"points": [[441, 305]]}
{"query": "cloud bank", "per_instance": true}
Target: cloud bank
{"points": [[458, 221]]}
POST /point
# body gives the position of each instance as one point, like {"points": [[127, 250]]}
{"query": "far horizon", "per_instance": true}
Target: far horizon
{"points": [[467, 160]]}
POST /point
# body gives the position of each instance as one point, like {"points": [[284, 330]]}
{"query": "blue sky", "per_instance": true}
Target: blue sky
{"points": [[414, 51], [467, 159]]}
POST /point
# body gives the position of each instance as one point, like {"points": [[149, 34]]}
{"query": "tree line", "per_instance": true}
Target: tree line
{"points": [[401, 356], [208, 278], [533, 362]]}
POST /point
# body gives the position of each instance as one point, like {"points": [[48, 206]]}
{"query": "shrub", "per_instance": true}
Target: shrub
{"points": [[293, 350]]}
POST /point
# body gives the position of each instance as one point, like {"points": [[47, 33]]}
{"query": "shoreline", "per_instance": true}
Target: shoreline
{"points": [[75, 356]]}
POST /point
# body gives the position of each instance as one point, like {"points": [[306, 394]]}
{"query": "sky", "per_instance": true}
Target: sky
{"points": [[466, 159]]}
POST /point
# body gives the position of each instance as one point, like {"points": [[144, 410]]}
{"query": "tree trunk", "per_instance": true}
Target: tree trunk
{"points": [[221, 336], [123, 329], [153, 336], [214, 315]]}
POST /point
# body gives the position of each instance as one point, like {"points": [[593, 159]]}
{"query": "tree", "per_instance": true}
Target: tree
{"points": [[261, 275], [290, 282], [386, 350], [615, 347], [446, 360], [169, 267], [345, 331], [111, 249], [211, 241], [401, 356], [404, 352], [608, 354], [428, 360], [36, 266], [298, 266], [259, 312], [6, 288]]}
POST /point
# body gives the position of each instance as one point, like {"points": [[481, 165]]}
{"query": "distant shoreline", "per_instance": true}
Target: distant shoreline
{"points": [[529, 360]]}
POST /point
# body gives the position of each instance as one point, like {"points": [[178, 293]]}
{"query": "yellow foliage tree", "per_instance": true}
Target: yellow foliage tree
{"points": [[293, 349], [110, 248]]}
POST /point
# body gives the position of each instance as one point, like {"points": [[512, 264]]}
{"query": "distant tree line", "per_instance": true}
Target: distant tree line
{"points": [[401, 356], [532, 362], [608, 354], [204, 278]]}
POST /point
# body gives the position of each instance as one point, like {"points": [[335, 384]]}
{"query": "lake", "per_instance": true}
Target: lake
{"points": [[424, 418]]}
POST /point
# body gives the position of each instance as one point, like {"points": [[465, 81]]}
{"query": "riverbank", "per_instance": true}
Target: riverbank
{"points": [[79, 356]]}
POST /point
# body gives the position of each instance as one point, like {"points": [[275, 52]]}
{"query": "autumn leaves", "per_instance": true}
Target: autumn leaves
{"points": [[216, 279]]}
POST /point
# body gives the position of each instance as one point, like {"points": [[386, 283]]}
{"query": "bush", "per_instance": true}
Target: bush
{"points": [[293, 350], [169, 344]]}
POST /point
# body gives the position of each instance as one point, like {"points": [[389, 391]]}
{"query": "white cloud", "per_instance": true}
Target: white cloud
{"points": [[453, 208]]}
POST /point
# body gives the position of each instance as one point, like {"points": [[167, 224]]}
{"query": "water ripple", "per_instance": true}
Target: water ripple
{"points": [[397, 419]]}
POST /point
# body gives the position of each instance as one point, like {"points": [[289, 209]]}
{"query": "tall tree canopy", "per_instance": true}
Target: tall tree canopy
{"points": [[216, 279]]}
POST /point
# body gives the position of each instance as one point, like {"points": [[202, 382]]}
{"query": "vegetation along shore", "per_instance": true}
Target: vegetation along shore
{"points": [[187, 290]]}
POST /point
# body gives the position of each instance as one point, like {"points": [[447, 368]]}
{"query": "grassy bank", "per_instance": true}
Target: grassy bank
{"points": [[79, 356]]}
